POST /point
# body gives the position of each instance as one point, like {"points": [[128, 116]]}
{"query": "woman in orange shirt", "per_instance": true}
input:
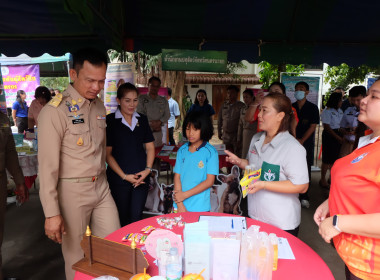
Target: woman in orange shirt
{"points": [[351, 215]]}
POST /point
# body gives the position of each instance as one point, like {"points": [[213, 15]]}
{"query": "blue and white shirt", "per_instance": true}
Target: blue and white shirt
{"points": [[193, 169]]}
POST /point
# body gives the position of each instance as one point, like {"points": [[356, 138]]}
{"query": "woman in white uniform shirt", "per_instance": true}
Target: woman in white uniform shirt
{"points": [[282, 159], [331, 138]]}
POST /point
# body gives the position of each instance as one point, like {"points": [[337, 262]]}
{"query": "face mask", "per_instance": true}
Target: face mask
{"points": [[299, 94]]}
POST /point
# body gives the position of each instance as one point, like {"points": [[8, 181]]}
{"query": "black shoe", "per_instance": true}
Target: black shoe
{"points": [[11, 278]]}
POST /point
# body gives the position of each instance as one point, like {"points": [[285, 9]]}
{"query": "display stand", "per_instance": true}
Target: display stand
{"points": [[104, 257]]}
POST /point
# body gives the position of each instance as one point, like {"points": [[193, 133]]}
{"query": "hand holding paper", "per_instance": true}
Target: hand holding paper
{"points": [[249, 178]]}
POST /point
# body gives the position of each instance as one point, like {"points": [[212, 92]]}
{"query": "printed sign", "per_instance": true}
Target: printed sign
{"points": [[313, 82], [189, 60], [20, 77], [117, 74]]}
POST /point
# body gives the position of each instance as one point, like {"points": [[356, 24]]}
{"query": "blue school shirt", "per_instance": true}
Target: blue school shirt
{"points": [[20, 112], [193, 169]]}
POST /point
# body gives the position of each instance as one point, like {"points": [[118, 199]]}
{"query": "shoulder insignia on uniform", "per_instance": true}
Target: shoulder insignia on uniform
{"points": [[56, 100]]}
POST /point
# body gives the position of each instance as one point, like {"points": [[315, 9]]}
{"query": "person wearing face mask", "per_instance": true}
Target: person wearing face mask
{"points": [[42, 96], [308, 116]]}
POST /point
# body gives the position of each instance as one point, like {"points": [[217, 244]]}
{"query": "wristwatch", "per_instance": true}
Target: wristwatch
{"points": [[149, 168], [335, 223]]}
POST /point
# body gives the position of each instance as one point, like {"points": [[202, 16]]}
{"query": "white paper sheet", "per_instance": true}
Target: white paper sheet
{"points": [[284, 250], [225, 263], [225, 224]]}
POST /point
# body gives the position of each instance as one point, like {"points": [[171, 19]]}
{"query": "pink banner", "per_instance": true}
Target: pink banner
{"points": [[20, 77]]}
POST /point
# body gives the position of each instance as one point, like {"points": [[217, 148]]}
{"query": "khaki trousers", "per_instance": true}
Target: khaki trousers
{"points": [[83, 204], [157, 138]]}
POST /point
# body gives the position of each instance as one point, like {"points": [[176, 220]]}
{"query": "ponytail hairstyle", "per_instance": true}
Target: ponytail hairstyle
{"points": [[18, 98], [282, 103]]}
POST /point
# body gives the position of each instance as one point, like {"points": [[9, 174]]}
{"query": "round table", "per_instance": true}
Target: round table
{"points": [[307, 265], [29, 167]]}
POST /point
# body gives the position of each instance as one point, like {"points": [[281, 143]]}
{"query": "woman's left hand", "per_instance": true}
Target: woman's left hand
{"points": [[327, 230], [256, 186], [179, 196], [143, 174]]}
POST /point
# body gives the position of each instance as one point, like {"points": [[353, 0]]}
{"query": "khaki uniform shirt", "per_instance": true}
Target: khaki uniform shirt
{"points": [[228, 120], [8, 154], [154, 109], [69, 145]]}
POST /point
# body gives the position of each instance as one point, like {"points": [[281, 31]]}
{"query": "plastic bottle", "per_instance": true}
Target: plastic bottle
{"points": [[174, 265], [274, 241]]}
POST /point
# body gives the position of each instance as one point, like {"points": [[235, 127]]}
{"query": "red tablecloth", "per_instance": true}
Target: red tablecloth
{"points": [[307, 265], [222, 158]]}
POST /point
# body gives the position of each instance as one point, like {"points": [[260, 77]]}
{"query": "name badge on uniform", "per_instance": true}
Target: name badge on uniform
{"points": [[76, 121], [270, 172]]}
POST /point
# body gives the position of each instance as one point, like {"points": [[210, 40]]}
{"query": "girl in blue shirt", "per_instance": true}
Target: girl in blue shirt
{"points": [[20, 112], [196, 165]]}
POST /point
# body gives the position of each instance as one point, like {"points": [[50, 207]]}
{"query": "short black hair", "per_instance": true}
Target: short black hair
{"points": [[282, 86], [196, 95], [200, 121], [233, 87], [124, 88], [302, 83], [249, 92], [357, 90], [94, 56], [169, 91], [42, 92], [154, 78], [334, 100]]}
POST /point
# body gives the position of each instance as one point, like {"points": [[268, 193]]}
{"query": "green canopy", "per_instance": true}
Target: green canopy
{"points": [[292, 31]]}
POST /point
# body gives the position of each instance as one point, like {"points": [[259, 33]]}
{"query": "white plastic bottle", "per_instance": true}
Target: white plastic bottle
{"points": [[174, 265]]}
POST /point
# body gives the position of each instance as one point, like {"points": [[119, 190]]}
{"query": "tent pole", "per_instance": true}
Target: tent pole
{"points": [[68, 69]]}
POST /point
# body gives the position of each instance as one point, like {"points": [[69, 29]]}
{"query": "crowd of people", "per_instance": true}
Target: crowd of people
{"points": [[76, 139], [25, 117]]}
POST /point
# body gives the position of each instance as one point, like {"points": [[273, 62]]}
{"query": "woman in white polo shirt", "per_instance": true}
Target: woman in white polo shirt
{"points": [[282, 159]]}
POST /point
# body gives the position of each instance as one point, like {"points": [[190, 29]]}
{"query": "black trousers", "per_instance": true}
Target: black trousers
{"points": [[309, 159], [22, 124], [293, 231], [129, 201], [171, 136]]}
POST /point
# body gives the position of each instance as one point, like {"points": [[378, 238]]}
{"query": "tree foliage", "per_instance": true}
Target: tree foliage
{"points": [[55, 82], [270, 73], [344, 75]]}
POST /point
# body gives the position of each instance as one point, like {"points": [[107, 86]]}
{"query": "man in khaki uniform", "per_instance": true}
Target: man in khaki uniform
{"points": [[156, 108], [228, 119], [71, 153], [9, 161], [246, 129]]}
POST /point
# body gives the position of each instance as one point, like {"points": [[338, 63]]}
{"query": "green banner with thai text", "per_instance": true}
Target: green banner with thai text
{"points": [[189, 60]]}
